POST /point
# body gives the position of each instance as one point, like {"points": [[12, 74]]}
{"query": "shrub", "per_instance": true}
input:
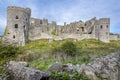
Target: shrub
{"points": [[67, 76], [69, 48], [7, 51], [54, 32], [5, 32], [3, 73]]}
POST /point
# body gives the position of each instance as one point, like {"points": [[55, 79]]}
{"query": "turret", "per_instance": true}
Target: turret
{"points": [[104, 29], [17, 25]]}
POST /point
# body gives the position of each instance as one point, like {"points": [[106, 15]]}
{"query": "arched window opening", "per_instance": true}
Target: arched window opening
{"points": [[16, 25], [40, 21], [82, 29], [101, 26], [107, 26], [13, 36], [17, 17]]}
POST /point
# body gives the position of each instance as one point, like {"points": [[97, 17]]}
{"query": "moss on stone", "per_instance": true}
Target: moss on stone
{"points": [[54, 32], [48, 29], [5, 32]]}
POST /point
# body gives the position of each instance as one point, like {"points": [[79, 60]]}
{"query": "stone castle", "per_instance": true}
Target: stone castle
{"points": [[21, 27]]}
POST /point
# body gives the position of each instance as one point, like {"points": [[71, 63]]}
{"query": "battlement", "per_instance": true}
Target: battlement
{"points": [[104, 20], [27, 10]]}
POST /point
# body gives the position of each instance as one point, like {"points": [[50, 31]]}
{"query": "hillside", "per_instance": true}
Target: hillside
{"points": [[51, 51], [42, 53]]}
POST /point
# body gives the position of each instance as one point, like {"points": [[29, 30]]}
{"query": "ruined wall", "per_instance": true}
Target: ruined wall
{"points": [[113, 37], [21, 28], [74, 27], [17, 25], [40, 28], [102, 29]]}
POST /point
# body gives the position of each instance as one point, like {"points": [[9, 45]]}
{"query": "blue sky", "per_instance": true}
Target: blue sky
{"points": [[66, 10]]}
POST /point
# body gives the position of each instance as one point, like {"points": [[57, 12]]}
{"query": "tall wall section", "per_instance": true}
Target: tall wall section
{"points": [[17, 27], [40, 28], [104, 29]]}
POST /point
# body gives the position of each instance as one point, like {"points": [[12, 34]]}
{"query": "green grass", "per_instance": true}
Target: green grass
{"points": [[50, 52], [39, 51], [6, 31], [42, 53], [54, 32]]}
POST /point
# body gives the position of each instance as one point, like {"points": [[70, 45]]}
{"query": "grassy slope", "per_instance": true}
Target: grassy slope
{"points": [[45, 53], [42, 53]]}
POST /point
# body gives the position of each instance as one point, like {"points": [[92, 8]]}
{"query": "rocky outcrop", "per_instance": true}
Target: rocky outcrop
{"points": [[14, 63], [20, 71], [106, 67], [103, 68], [56, 67], [0, 78]]}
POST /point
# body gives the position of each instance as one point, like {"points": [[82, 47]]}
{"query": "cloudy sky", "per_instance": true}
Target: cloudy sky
{"points": [[66, 10]]}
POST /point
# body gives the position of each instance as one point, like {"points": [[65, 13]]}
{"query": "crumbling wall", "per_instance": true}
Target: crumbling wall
{"points": [[21, 28], [113, 37], [17, 26]]}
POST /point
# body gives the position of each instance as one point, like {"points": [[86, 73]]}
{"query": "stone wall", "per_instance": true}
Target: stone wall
{"points": [[113, 37], [21, 27], [104, 29], [17, 25]]}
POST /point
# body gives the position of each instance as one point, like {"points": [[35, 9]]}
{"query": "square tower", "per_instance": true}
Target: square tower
{"points": [[17, 27]]}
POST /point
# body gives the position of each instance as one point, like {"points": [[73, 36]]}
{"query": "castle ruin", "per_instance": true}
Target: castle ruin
{"points": [[21, 27]]}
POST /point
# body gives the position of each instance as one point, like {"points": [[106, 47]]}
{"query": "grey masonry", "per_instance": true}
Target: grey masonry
{"points": [[21, 27]]}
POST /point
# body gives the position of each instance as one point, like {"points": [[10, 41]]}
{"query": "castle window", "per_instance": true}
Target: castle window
{"points": [[40, 21], [17, 17], [107, 26], [16, 25], [14, 36], [85, 24], [26, 19], [101, 26], [24, 26], [90, 33], [82, 29]]}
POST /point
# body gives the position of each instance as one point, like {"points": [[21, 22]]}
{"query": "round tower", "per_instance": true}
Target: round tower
{"points": [[17, 25], [104, 29]]}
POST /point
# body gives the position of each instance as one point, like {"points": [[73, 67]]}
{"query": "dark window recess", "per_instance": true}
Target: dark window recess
{"points": [[101, 26], [85, 24], [17, 17], [8, 33], [26, 19], [16, 25], [24, 26], [90, 33], [82, 29], [40, 21], [107, 26], [14, 36]]}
